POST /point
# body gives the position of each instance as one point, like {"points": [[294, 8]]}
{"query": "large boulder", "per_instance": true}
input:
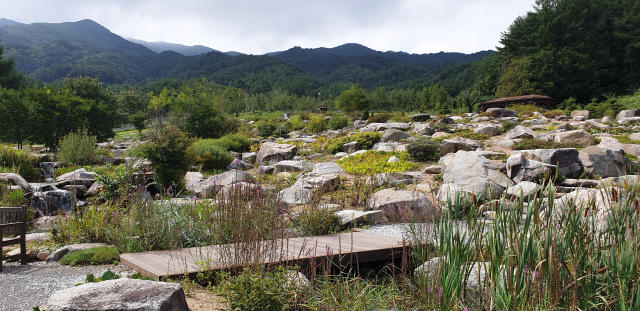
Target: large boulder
{"points": [[328, 168], [213, 184], [459, 143], [78, 177], [624, 114], [524, 189], [423, 129], [351, 147], [566, 159], [393, 202], [487, 129], [308, 185], [521, 132], [578, 136], [503, 113], [60, 252], [293, 166], [192, 180], [274, 153], [475, 174], [17, 180], [605, 162], [612, 143], [353, 217], [420, 117], [123, 294], [581, 113], [377, 127], [519, 168], [47, 199], [393, 135], [594, 125]]}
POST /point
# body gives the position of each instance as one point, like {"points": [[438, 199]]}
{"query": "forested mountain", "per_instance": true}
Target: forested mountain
{"points": [[50, 52], [185, 50], [7, 22]]}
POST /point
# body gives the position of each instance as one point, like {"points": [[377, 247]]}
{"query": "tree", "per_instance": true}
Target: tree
{"points": [[103, 114], [14, 114], [516, 79], [9, 77], [353, 99], [138, 120]]}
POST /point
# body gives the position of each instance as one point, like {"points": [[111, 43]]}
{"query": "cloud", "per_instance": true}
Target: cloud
{"points": [[260, 26]]}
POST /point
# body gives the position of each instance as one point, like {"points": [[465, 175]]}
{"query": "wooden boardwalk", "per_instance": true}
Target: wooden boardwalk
{"points": [[344, 248]]}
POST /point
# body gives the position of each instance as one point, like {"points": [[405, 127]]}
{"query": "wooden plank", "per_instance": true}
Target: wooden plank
{"points": [[344, 248]]}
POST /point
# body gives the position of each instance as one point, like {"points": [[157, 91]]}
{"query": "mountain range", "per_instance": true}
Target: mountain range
{"points": [[52, 51]]}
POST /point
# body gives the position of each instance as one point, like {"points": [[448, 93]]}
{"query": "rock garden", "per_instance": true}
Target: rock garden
{"points": [[510, 209]]}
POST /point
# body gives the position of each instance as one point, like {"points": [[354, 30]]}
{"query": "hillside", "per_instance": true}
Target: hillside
{"points": [[49, 52], [7, 22]]}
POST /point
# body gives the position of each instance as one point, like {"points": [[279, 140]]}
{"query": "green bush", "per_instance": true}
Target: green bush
{"points": [[19, 162], [507, 126], [100, 255], [469, 135], [258, 289], [211, 153], [316, 221], [441, 127], [77, 148], [372, 163], [552, 113], [295, 123], [236, 142], [167, 151], [265, 129], [365, 115], [527, 144], [339, 122], [365, 140], [316, 124], [424, 149], [379, 118]]}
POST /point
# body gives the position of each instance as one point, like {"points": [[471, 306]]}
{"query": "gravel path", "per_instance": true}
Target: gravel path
{"points": [[24, 287]]}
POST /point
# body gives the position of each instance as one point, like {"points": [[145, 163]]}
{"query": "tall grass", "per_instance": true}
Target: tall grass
{"points": [[537, 256]]}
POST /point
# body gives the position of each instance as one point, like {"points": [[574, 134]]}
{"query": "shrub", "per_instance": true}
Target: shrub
{"points": [[507, 126], [235, 142], [295, 123], [77, 148], [365, 140], [520, 108], [339, 121], [424, 149], [527, 144], [372, 162], [94, 256], [441, 127], [265, 129], [469, 135], [365, 115], [316, 221], [316, 124], [257, 289], [486, 114], [19, 162], [211, 153], [167, 151], [553, 113], [379, 118]]}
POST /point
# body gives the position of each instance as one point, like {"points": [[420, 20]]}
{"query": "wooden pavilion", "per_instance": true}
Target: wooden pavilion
{"points": [[543, 101]]}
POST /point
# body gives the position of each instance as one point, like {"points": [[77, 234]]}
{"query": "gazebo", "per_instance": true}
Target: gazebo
{"points": [[539, 100]]}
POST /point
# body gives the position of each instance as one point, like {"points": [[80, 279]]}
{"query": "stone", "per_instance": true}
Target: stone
{"points": [[192, 179], [607, 119], [593, 125], [605, 162], [213, 184], [629, 120], [394, 202], [433, 169], [634, 136], [439, 135], [32, 254], [503, 113], [520, 132], [393, 135], [249, 157], [43, 255], [459, 143], [487, 129], [420, 117], [60, 252], [308, 185], [78, 190], [543, 137], [566, 159], [17, 180], [328, 168], [397, 178], [524, 189], [519, 168], [423, 129], [122, 294], [238, 164], [578, 118], [351, 147], [47, 199], [475, 174], [293, 166], [274, 153], [94, 190], [296, 280], [449, 192], [284, 175], [565, 127], [340, 155], [612, 143], [581, 113], [506, 143], [78, 177], [577, 136], [355, 218], [267, 170], [446, 120], [377, 127], [628, 114]]}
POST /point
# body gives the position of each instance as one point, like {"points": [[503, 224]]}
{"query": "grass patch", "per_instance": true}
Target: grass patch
{"points": [[365, 140], [626, 140], [468, 134], [527, 144], [100, 255], [372, 162]]}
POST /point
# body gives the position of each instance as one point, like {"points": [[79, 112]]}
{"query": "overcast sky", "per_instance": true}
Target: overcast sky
{"points": [[261, 26]]}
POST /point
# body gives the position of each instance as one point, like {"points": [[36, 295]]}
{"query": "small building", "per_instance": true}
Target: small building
{"points": [[543, 101], [322, 109]]}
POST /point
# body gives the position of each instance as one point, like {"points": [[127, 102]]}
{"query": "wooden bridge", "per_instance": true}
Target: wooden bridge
{"points": [[344, 248]]}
